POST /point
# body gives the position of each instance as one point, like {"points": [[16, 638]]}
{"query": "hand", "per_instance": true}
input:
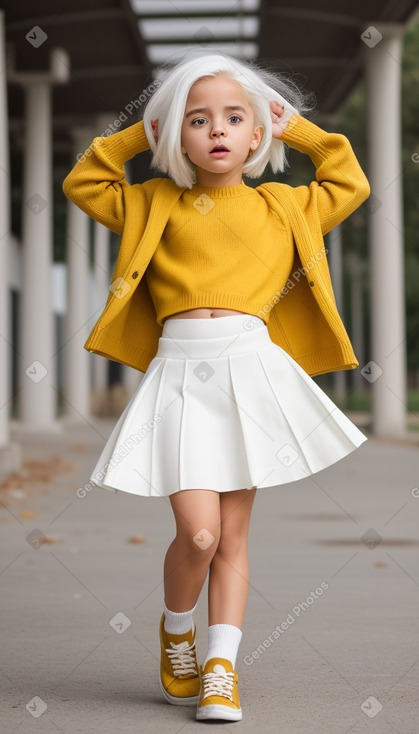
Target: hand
{"points": [[154, 127], [280, 117]]}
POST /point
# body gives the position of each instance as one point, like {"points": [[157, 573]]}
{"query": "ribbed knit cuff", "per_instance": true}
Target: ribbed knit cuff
{"points": [[309, 138]]}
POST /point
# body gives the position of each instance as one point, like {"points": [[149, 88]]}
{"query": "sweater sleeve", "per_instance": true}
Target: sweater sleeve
{"points": [[97, 183], [340, 186]]}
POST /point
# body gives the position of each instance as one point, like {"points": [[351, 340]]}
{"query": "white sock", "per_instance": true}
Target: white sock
{"points": [[223, 642], [178, 623]]}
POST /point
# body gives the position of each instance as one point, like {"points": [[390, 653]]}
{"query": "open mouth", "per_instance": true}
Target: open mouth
{"points": [[219, 151]]}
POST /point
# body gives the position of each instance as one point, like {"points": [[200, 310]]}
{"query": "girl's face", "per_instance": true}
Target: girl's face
{"points": [[218, 130]]}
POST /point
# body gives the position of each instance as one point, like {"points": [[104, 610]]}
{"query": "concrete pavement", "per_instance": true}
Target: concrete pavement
{"points": [[331, 636]]}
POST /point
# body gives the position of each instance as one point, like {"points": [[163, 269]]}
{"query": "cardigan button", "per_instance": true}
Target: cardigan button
{"points": [[135, 274], [312, 283]]}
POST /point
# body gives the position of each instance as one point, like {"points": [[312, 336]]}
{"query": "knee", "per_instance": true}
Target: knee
{"points": [[202, 544], [231, 545]]}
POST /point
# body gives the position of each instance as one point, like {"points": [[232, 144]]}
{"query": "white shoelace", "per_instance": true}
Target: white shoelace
{"points": [[183, 658], [218, 684]]}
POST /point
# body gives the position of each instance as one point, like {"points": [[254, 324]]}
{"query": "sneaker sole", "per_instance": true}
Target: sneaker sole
{"points": [[217, 711], [176, 700]]}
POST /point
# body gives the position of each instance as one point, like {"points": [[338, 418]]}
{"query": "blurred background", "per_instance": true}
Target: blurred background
{"points": [[71, 70]]}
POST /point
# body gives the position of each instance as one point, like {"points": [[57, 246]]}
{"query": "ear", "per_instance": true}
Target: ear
{"points": [[257, 137]]}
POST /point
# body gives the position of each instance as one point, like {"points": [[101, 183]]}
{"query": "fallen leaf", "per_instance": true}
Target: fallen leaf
{"points": [[27, 513], [45, 539], [79, 447], [11, 482]]}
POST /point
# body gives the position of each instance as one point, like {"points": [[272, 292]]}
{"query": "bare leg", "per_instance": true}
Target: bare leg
{"points": [[229, 569], [187, 560]]}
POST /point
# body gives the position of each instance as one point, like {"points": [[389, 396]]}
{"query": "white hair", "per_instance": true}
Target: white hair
{"points": [[167, 105]]}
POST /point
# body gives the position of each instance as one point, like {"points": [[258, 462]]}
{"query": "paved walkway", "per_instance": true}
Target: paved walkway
{"points": [[331, 636]]}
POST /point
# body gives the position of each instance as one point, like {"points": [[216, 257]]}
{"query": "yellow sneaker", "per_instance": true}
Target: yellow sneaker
{"points": [[219, 695], [179, 670]]}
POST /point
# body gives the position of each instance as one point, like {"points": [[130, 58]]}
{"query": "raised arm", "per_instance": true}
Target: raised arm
{"points": [[340, 186], [97, 183]]}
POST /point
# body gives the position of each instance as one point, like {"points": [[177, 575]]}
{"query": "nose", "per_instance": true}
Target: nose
{"points": [[217, 130]]}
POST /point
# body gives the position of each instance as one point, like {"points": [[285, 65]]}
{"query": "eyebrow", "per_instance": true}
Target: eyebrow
{"points": [[233, 108]]}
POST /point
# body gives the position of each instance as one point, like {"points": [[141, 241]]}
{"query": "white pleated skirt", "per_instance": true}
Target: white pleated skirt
{"points": [[222, 407]]}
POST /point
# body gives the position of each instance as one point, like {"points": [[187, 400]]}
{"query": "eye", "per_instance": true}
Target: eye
{"points": [[199, 121], [235, 118]]}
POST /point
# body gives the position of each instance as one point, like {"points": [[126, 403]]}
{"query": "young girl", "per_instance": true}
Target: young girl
{"points": [[221, 294]]}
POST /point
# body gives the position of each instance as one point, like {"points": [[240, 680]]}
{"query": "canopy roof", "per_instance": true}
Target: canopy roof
{"points": [[113, 45]]}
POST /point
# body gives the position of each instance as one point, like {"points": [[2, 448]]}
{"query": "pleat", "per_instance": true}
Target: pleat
{"points": [[126, 458], [211, 448], [167, 439], [267, 435], [322, 433]]}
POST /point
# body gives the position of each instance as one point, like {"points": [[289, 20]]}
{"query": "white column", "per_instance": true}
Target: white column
{"points": [[10, 455], [77, 322], [387, 372], [38, 396], [37, 367], [101, 276]]}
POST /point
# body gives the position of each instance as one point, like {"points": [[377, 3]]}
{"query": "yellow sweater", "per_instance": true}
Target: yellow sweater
{"points": [[222, 247], [302, 316]]}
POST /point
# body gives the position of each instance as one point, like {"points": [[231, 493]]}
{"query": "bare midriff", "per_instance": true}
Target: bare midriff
{"points": [[203, 313]]}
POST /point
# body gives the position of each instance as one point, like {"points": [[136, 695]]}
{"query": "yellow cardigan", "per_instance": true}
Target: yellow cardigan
{"points": [[304, 321]]}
